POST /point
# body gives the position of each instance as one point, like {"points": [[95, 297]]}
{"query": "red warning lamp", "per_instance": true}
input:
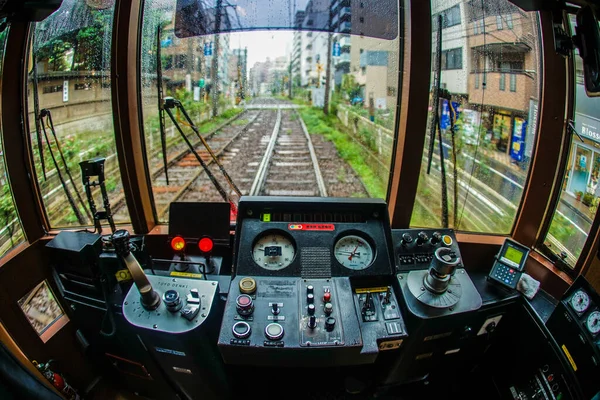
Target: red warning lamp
{"points": [[178, 243], [205, 244]]}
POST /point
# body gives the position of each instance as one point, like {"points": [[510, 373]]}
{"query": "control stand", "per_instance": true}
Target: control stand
{"points": [[177, 321]]}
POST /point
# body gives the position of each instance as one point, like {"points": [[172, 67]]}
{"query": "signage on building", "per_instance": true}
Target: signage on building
{"points": [[65, 91], [196, 93], [532, 124], [337, 51], [517, 147], [587, 127], [208, 48], [201, 82], [445, 117]]}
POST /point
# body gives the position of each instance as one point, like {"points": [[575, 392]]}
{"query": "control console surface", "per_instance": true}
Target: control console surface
{"points": [[185, 305]]}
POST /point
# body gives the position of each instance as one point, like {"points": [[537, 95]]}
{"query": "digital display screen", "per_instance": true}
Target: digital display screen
{"points": [[513, 255]]}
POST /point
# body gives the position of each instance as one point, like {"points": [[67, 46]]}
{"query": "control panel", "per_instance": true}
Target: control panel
{"points": [[266, 318], [185, 305], [414, 248], [575, 325], [301, 284]]}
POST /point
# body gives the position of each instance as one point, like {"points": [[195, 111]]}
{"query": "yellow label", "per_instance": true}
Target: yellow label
{"points": [[185, 275], [372, 290], [123, 275], [564, 349], [266, 217]]}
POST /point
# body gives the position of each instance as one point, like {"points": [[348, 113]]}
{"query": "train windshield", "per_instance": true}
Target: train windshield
{"points": [[303, 108], [307, 107]]}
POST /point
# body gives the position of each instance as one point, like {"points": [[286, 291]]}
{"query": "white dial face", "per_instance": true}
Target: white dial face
{"points": [[593, 322], [353, 252], [273, 251], [580, 301]]}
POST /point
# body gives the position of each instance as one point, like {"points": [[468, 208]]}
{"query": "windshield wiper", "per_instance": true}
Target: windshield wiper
{"points": [[161, 112], [45, 113], [436, 125], [171, 103]]}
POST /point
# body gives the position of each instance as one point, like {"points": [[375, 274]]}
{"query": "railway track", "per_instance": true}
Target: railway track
{"points": [[289, 166]]}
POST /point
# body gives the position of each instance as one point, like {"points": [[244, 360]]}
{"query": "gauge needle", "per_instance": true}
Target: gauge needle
{"points": [[352, 254]]}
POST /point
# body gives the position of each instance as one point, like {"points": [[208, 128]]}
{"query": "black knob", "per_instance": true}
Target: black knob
{"points": [[422, 238], [310, 298], [310, 289], [328, 308], [311, 309], [312, 322], [275, 309], [329, 324], [120, 239], [436, 238], [244, 305], [406, 239], [172, 300]]}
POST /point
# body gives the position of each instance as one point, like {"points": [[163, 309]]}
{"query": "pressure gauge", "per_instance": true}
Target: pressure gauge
{"points": [[593, 322], [580, 301], [353, 252], [273, 251]]}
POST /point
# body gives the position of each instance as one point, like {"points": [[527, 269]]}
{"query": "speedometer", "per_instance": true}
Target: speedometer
{"points": [[580, 301], [593, 322], [273, 251], [353, 252]]}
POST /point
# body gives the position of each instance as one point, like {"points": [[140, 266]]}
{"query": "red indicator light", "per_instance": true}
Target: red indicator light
{"points": [[178, 243], [205, 244]]}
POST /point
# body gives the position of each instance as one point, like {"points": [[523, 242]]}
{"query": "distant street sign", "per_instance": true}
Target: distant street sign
{"points": [[201, 82], [337, 50], [208, 48]]}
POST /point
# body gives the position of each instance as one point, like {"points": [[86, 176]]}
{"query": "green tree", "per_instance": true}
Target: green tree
{"points": [[350, 86]]}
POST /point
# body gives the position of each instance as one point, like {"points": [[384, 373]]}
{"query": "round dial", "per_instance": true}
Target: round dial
{"points": [[353, 252], [580, 301], [273, 251], [593, 322]]}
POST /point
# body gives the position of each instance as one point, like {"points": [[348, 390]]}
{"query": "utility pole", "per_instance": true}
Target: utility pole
{"points": [[328, 68], [215, 61]]}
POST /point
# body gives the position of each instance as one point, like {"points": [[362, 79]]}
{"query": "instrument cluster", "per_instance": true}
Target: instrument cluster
{"points": [[587, 311], [316, 250]]}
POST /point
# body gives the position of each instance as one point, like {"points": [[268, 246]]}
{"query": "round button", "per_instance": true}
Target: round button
{"points": [[327, 297], [244, 305], [172, 300], [328, 308], [241, 330], [447, 240], [310, 289], [247, 285], [311, 309], [310, 298], [274, 331]]}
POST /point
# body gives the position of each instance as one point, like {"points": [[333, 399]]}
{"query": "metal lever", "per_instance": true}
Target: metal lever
{"points": [[150, 299]]}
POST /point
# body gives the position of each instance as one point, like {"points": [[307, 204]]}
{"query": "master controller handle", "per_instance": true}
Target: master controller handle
{"points": [[150, 299]]}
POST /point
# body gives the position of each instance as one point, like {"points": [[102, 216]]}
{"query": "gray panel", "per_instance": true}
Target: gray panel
{"points": [[161, 319], [470, 299]]}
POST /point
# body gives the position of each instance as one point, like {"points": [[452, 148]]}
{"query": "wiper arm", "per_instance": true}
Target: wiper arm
{"points": [[161, 111], [170, 103]]}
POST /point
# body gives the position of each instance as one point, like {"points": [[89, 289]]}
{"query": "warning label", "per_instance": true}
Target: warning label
{"points": [[311, 227]]}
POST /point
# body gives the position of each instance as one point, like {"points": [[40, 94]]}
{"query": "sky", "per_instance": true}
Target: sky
{"points": [[263, 44]]}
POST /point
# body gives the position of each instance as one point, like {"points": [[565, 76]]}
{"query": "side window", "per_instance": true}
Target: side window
{"points": [[11, 232], [477, 152], [580, 195], [70, 86]]}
